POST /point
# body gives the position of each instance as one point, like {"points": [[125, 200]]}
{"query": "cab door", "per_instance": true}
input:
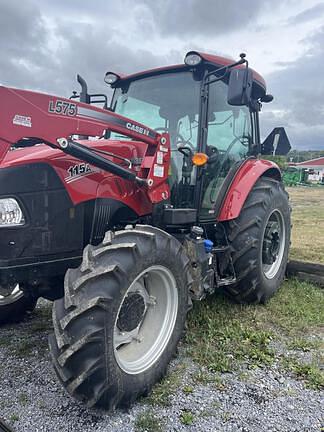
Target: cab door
{"points": [[229, 139]]}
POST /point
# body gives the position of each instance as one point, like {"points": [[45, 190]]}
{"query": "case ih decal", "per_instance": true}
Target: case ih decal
{"points": [[137, 129], [21, 120]]}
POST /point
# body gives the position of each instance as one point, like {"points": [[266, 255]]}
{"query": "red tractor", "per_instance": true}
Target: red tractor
{"points": [[144, 206]]}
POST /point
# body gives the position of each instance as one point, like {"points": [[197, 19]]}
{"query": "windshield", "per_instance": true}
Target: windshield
{"points": [[166, 103]]}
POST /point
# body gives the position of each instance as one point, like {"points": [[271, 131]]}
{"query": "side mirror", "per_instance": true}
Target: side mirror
{"points": [[240, 87]]}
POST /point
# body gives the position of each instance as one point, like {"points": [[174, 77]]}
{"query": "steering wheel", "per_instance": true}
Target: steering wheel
{"points": [[179, 139]]}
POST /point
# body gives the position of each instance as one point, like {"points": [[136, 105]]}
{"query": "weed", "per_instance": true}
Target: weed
{"points": [[163, 390], [207, 413], [24, 348], [226, 416], [187, 389], [148, 422], [4, 341], [41, 326], [187, 417], [42, 404], [309, 372], [299, 343], [204, 377], [45, 312], [14, 418], [23, 399]]}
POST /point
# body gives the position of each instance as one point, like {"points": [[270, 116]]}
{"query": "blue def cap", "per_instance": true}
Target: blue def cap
{"points": [[208, 245]]}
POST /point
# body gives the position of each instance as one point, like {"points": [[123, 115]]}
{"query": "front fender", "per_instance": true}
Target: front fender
{"points": [[244, 180]]}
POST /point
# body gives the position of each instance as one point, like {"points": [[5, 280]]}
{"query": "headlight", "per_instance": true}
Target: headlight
{"points": [[111, 78], [192, 59], [10, 213]]}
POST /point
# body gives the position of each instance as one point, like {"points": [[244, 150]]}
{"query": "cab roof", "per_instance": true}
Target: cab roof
{"points": [[259, 81]]}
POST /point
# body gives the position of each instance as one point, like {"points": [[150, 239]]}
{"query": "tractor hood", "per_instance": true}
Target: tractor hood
{"points": [[119, 151]]}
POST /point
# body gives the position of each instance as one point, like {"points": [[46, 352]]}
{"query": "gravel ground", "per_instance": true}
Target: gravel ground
{"points": [[262, 399]]}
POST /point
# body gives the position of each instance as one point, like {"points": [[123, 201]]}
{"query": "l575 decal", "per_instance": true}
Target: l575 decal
{"points": [[62, 107]]}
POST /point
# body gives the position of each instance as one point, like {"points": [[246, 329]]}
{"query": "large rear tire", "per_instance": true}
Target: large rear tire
{"points": [[122, 316], [260, 240], [14, 304]]}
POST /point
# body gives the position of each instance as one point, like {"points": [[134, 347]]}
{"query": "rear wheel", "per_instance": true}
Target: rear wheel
{"points": [[14, 304], [122, 316], [260, 240]]}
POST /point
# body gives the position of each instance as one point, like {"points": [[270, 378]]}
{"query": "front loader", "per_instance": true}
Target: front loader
{"points": [[142, 207]]}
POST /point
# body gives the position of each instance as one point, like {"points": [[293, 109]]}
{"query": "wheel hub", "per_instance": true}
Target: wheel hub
{"points": [[146, 319], [6, 291], [10, 294], [274, 244], [131, 313], [271, 243]]}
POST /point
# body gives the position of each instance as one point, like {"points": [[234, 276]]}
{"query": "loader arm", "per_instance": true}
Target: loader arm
{"points": [[54, 121]]}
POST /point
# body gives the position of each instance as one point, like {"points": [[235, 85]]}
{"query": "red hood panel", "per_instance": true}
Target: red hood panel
{"points": [[43, 153]]}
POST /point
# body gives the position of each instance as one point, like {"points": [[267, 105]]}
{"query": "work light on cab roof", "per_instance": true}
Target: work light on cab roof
{"points": [[192, 59], [111, 78]]}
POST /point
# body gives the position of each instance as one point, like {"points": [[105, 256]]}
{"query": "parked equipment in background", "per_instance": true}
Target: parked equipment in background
{"points": [[159, 200]]}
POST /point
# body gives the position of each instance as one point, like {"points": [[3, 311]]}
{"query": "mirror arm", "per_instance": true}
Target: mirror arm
{"points": [[225, 68]]}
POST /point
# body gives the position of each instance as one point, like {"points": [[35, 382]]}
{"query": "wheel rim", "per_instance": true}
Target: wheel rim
{"points": [[273, 245], [10, 294], [145, 320]]}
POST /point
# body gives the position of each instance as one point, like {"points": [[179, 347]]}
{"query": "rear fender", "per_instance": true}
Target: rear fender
{"points": [[246, 177]]}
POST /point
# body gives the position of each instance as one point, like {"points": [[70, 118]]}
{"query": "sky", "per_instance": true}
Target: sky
{"points": [[44, 44]]}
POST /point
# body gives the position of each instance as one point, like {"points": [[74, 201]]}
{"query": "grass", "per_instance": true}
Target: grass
{"points": [[308, 224], [148, 422], [305, 345], [162, 392], [309, 372], [223, 335], [204, 377]]}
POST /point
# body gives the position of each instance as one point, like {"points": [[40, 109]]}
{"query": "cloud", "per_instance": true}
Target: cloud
{"points": [[44, 54], [22, 42], [299, 96], [308, 15], [208, 17], [43, 46]]}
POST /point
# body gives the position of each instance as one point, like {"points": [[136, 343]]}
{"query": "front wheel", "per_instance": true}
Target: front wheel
{"points": [[122, 316], [14, 304], [260, 240]]}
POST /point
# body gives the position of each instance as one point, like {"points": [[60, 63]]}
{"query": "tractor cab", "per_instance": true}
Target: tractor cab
{"points": [[209, 106]]}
